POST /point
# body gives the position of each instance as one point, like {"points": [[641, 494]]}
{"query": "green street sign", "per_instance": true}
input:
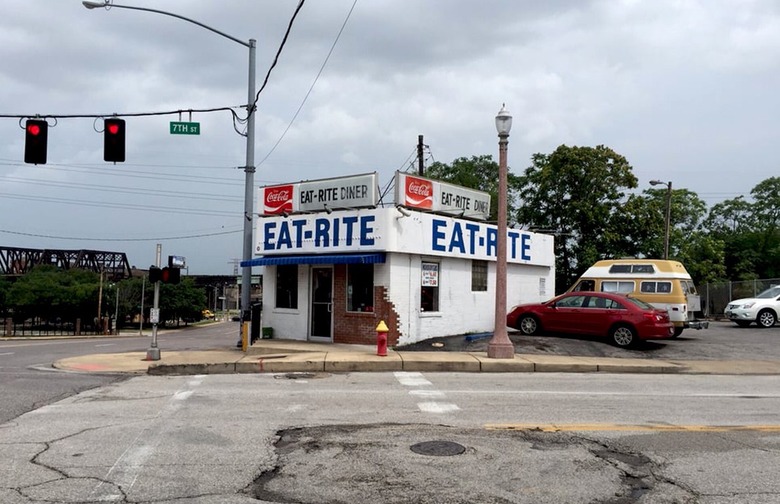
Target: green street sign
{"points": [[185, 128]]}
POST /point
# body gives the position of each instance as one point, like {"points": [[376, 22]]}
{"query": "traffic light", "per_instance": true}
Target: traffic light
{"points": [[171, 275], [155, 274], [114, 140], [165, 275], [36, 132]]}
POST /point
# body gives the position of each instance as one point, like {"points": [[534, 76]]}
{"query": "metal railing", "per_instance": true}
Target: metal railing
{"points": [[40, 327], [715, 296]]}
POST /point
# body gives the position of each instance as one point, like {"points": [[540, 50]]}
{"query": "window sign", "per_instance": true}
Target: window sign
{"points": [[430, 274]]}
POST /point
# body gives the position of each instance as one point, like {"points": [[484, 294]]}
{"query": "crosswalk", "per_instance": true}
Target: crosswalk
{"points": [[430, 400]]}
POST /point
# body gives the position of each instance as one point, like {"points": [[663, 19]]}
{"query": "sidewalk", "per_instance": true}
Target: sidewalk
{"points": [[286, 356]]}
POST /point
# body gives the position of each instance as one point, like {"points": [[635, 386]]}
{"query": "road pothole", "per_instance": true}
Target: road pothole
{"points": [[391, 463]]}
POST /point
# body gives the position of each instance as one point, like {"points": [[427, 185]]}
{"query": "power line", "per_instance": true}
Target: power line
{"points": [[186, 237], [159, 192], [236, 118], [126, 206], [316, 78]]}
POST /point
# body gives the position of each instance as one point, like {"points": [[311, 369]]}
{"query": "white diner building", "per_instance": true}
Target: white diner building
{"points": [[336, 264]]}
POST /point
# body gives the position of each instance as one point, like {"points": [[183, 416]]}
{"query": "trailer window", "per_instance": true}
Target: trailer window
{"points": [[656, 287], [617, 286], [632, 268]]}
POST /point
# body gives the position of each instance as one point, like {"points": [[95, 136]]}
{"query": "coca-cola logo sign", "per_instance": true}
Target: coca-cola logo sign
{"points": [[277, 199], [418, 192]]}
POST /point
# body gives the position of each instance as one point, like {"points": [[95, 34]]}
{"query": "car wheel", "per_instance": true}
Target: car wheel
{"points": [[742, 323], [677, 331], [623, 336], [528, 325], [766, 318]]}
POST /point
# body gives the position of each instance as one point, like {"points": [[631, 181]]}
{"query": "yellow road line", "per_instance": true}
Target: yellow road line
{"points": [[629, 427]]}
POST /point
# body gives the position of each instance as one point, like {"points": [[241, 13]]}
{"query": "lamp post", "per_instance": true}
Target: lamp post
{"points": [[668, 213], [500, 346], [249, 168]]}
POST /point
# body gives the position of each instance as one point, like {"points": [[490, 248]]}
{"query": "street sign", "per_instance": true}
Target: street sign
{"points": [[185, 128], [154, 315]]}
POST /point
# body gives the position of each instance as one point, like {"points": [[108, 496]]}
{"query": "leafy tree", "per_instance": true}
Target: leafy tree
{"points": [[480, 173], [50, 294], [750, 232], [5, 286], [183, 301], [577, 194]]}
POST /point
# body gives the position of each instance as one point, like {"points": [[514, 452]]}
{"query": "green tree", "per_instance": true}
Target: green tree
{"points": [[49, 293], [750, 232], [577, 193], [5, 286], [183, 301], [480, 173]]}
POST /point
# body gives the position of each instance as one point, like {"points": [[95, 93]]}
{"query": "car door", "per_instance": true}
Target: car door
{"points": [[565, 314], [595, 315]]}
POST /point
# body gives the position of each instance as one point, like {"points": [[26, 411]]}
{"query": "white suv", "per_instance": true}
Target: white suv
{"points": [[763, 309]]}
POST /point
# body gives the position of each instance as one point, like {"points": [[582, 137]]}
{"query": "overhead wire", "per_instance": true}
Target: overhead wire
{"points": [[185, 237], [236, 119], [316, 78]]}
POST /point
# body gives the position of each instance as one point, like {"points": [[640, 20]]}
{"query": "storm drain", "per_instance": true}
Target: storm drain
{"points": [[438, 448]]}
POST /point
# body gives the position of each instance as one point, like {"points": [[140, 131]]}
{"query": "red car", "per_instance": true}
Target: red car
{"points": [[624, 319]]}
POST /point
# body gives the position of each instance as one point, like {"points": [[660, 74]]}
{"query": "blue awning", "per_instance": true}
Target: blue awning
{"points": [[377, 257]]}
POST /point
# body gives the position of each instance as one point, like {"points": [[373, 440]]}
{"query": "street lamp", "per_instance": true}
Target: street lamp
{"points": [[668, 213], [249, 169], [500, 346]]}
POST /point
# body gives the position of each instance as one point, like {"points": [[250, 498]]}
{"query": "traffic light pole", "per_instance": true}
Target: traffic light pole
{"points": [[153, 353], [249, 169]]}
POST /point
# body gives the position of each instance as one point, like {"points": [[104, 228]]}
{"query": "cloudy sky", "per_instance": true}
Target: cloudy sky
{"points": [[686, 90]]}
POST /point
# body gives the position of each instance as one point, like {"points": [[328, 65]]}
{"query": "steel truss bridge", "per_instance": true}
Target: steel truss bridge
{"points": [[16, 261]]}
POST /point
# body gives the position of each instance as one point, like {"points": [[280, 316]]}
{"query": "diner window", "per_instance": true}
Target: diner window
{"points": [[479, 274], [429, 290], [287, 286], [360, 287]]}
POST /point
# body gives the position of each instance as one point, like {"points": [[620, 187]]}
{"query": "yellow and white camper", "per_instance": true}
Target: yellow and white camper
{"points": [[664, 284]]}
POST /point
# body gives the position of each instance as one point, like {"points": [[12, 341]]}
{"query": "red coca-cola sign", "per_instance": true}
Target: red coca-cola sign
{"points": [[277, 199], [418, 193]]}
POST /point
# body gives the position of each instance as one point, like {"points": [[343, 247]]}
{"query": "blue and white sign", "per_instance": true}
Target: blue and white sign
{"points": [[389, 230]]}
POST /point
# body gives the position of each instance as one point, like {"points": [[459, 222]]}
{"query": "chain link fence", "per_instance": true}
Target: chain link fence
{"points": [[715, 296]]}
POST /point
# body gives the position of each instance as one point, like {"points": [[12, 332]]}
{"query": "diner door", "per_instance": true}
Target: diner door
{"points": [[321, 303]]}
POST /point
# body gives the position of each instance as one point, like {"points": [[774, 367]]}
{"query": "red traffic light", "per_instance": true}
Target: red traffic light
{"points": [[114, 140], [36, 133]]}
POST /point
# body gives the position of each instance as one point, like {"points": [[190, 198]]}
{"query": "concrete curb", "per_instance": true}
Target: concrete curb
{"points": [[305, 357]]}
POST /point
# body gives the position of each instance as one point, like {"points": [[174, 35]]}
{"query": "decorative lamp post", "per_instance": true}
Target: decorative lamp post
{"points": [[500, 346], [249, 168], [668, 213]]}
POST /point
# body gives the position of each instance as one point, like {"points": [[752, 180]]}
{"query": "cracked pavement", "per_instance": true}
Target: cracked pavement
{"points": [[343, 438]]}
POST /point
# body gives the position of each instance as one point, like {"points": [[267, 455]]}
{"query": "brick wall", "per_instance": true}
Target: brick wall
{"points": [[360, 328]]}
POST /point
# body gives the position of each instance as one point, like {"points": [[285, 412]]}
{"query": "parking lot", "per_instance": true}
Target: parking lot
{"points": [[723, 340]]}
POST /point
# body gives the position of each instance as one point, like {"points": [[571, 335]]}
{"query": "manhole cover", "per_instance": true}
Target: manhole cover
{"points": [[438, 448], [300, 376]]}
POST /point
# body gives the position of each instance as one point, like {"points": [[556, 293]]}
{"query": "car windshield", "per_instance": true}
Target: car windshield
{"points": [[770, 293], [640, 303]]}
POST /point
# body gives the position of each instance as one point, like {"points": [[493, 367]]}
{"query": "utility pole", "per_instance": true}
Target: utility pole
{"points": [[153, 353], [143, 288], [420, 166]]}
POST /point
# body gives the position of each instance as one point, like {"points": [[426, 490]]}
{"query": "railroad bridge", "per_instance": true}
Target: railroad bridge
{"points": [[16, 261]]}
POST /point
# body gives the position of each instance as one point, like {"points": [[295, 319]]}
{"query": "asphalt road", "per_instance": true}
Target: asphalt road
{"points": [[526, 438], [27, 380]]}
